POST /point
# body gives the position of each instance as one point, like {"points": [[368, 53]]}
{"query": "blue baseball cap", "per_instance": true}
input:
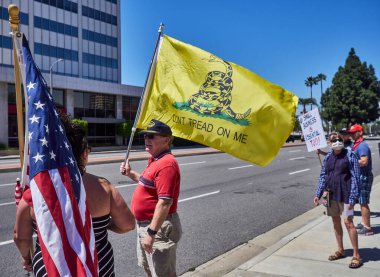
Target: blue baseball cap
{"points": [[157, 127]]}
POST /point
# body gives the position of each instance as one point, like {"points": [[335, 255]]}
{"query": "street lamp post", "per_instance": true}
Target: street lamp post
{"points": [[51, 79]]}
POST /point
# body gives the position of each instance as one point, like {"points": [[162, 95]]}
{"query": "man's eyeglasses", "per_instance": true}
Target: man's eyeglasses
{"points": [[152, 136], [149, 136], [337, 139]]}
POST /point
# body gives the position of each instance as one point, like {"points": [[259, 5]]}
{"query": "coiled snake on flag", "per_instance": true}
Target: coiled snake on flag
{"points": [[214, 95]]}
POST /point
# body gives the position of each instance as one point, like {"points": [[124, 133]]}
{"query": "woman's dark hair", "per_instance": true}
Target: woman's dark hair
{"points": [[77, 138]]}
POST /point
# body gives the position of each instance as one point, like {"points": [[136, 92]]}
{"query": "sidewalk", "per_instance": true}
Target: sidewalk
{"points": [[300, 247]]}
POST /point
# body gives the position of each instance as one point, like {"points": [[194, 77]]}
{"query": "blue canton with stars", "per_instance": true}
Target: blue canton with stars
{"points": [[49, 147]]}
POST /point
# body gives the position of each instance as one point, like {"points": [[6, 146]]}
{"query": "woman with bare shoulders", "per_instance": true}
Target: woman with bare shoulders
{"points": [[107, 207]]}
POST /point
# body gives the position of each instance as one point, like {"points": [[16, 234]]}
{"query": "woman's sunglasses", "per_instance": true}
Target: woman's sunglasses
{"points": [[337, 139]]}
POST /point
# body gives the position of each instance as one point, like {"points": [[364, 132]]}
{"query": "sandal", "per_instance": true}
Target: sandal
{"points": [[336, 256], [355, 263]]}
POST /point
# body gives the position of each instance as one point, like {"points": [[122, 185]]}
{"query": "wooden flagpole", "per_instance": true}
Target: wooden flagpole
{"points": [[14, 23], [147, 85]]}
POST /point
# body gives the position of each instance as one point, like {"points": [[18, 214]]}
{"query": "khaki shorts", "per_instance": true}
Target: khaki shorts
{"points": [[163, 260], [339, 208]]}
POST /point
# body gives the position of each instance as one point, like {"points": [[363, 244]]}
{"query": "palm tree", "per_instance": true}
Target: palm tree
{"points": [[306, 101], [321, 77], [310, 82]]}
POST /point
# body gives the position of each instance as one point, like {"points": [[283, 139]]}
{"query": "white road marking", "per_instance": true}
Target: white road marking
{"points": [[298, 158], [4, 185], [11, 241], [199, 196], [293, 151], [240, 167], [124, 186], [6, 242], [299, 171], [193, 163], [182, 200], [10, 203]]}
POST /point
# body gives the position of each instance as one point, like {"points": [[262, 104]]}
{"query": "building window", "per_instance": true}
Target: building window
{"points": [[94, 105], [101, 134], [59, 99], [130, 106], [97, 60], [12, 116], [56, 52], [99, 38], [5, 42], [24, 17], [98, 15], [61, 4], [54, 26]]}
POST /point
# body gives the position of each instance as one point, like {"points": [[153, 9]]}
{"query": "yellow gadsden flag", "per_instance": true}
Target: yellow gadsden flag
{"points": [[217, 103]]}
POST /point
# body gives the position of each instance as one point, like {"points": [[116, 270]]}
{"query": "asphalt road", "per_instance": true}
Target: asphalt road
{"points": [[224, 202]]}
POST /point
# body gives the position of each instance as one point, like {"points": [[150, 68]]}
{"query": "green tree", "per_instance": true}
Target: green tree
{"points": [[310, 82], [306, 101], [354, 94], [82, 123], [124, 130]]}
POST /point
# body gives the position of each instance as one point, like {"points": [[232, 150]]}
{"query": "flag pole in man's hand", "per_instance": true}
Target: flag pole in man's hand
{"points": [[147, 84], [14, 23]]}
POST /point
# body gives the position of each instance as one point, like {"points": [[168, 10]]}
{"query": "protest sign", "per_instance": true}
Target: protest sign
{"points": [[312, 130]]}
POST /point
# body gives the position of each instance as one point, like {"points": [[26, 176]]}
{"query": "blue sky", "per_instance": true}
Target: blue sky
{"points": [[283, 41]]}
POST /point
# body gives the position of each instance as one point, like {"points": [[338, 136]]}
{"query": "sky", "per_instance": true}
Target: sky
{"points": [[283, 41]]}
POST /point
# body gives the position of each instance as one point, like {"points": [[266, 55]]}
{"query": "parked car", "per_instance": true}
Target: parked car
{"points": [[290, 139], [372, 135]]}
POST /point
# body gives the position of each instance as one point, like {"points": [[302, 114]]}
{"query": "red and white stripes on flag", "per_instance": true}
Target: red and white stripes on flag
{"points": [[58, 221], [63, 221]]}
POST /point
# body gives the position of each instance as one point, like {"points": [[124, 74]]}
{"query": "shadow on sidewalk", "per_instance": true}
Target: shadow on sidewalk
{"points": [[367, 254], [373, 214]]}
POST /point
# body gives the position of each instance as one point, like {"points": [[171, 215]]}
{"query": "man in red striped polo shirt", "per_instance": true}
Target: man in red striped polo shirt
{"points": [[154, 203]]}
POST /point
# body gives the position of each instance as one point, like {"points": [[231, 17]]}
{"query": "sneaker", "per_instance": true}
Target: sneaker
{"points": [[359, 226], [365, 231]]}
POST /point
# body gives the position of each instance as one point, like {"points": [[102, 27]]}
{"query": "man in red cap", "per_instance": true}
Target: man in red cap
{"points": [[362, 150]]}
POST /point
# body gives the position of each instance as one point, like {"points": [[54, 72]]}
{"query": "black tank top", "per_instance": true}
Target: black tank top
{"points": [[103, 249]]}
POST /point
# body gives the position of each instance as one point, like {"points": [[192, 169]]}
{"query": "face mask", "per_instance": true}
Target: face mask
{"points": [[338, 145]]}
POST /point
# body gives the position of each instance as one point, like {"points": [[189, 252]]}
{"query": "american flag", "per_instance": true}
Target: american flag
{"points": [[59, 200]]}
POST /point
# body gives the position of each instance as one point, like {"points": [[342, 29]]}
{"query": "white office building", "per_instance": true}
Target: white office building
{"points": [[78, 41]]}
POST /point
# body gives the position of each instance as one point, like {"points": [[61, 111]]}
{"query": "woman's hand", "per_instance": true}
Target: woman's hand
{"points": [[316, 201], [27, 264]]}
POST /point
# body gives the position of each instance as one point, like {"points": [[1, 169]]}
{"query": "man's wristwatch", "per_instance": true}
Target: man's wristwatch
{"points": [[151, 232]]}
